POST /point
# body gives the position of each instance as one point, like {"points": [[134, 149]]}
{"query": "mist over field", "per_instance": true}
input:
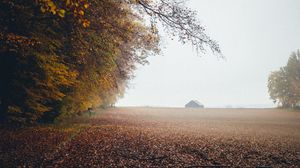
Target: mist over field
{"points": [[150, 83], [256, 37]]}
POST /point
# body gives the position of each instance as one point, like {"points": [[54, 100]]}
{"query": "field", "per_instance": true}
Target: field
{"points": [[159, 137]]}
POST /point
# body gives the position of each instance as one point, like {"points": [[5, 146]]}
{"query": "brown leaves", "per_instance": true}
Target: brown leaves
{"points": [[144, 138], [26, 147]]}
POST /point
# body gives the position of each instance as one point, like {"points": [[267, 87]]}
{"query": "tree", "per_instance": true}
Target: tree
{"points": [[58, 58], [284, 84], [293, 73], [34, 75]]}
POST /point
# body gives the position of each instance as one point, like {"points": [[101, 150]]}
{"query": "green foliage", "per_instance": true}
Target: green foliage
{"points": [[284, 85]]}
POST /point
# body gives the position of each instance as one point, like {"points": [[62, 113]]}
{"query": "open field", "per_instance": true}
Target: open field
{"points": [[160, 137]]}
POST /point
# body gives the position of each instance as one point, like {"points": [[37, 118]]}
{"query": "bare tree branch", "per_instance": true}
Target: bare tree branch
{"points": [[180, 21]]}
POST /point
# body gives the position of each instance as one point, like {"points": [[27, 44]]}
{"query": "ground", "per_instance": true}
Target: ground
{"points": [[159, 137]]}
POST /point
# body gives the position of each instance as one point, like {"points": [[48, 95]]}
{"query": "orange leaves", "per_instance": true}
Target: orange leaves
{"points": [[86, 23]]}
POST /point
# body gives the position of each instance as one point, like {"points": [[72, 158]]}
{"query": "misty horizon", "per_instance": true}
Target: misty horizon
{"points": [[254, 43]]}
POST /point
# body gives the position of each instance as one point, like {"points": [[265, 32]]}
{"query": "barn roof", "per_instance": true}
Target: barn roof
{"points": [[196, 101]]}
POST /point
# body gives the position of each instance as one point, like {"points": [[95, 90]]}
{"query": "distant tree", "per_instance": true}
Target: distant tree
{"points": [[293, 73], [284, 85]]}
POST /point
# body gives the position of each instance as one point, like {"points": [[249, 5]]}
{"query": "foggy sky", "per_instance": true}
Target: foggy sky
{"points": [[256, 37]]}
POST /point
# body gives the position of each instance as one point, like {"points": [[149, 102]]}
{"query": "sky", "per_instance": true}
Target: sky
{"points": [[255, 36]]}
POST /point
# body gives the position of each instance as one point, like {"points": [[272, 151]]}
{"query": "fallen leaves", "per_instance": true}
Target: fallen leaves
{"points": [[126, 139]]}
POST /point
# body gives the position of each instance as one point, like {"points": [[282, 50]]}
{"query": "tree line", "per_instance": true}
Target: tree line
{"points": [[284, 84], [60, 57]]}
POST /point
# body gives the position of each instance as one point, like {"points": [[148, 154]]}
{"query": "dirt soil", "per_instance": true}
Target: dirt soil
{"points": [[160, 137]]}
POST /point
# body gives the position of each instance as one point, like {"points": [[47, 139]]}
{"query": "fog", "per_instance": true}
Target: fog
{"points": [[256, 37]]}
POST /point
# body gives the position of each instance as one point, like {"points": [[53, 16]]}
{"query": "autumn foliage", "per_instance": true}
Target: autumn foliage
{"points": [[58, 58]]}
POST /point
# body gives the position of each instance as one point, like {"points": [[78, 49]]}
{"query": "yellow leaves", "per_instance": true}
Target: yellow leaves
{"points": [[48, 6], [86, 5], [98, 79], [75, 7], [61, 13], [81, 12]]}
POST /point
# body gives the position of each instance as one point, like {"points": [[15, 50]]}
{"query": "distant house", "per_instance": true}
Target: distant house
{"points": [[194, 104]]}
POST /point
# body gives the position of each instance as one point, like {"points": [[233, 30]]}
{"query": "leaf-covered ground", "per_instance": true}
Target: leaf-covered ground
{"points": [[159, 137]]}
